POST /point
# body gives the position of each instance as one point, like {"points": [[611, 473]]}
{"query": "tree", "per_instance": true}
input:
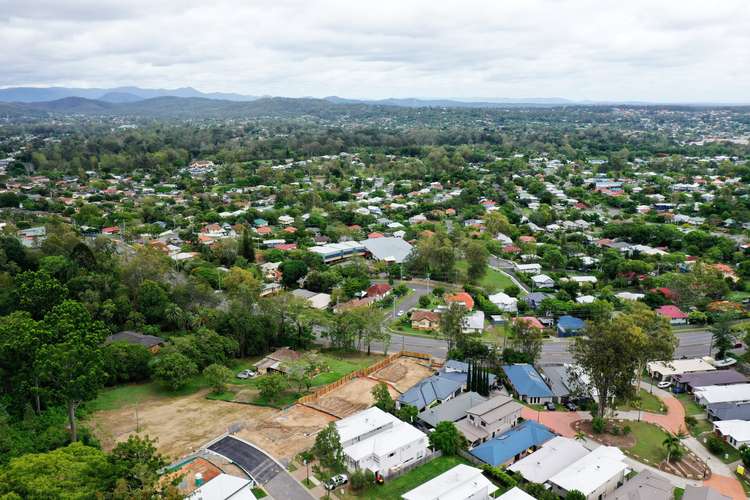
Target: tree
{"points": [[218, 376], [247, 246], [173, 369], [609, 353], [137, 462], [575, 495], [447, 439], [71, 368], [674, 448], [242, 285], [124, 362], [452, 324], [407, 413], [659, 341], [721, 334], [291, 271], [383, 398], [496, 222], [327, 448], [527, 339], [553, 258], [75, 471], [152, 301], [38, 292], [271, 386], [476, 257]]}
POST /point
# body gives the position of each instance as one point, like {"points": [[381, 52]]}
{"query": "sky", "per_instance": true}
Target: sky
{"points": [[645, 50]]}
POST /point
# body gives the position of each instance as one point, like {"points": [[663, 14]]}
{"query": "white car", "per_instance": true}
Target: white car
{"points": [[664, 385], [336, 481], [400, 313], [245, 374]]}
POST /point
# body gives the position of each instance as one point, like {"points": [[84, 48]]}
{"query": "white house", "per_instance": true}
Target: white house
{"points": [[542, 281], [664, 370], [632, 296], [504, 302], [711, 394], [529, 268], [600, 472], [286, 220], [375, 440], [554, 456], [474, 322], [224, 487], [462, 482], [734, 432], [515, 493]]}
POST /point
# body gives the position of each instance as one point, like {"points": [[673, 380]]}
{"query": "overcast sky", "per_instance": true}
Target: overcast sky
{"points": [[655, 50]]}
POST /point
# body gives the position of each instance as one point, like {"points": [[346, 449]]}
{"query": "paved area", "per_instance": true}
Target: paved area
{"points": [[673, 421], [725, 485], [262, 468], [558, 421]]}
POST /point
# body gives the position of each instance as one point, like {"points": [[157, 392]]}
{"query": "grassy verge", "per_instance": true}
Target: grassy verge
{"points": [[113, 398], [392, 490], [728, 453], [691, 407], [648, 401], [648, 441], [259, 493], [701, 427]]}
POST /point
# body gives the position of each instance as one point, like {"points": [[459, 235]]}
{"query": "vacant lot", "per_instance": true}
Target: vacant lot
{"points": [[404, 373]]}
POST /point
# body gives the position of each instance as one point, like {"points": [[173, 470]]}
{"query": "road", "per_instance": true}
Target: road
{"points": [[507, 267], [411, 300]]}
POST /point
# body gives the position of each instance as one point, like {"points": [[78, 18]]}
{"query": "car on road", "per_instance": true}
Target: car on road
{"points": [[246, 374], [664, 384], [550, 405], [400, 313], [571, 406], [335, 482]]}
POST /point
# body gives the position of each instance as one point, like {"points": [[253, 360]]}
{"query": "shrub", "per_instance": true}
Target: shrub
{"points": [[361, 479], [626, 430], [598, 424], [615, 431], [218, 376], [691, 421], [500, 476], [714, 444]]}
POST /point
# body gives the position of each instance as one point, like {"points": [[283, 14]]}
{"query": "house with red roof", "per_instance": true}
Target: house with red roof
{"points": [[530, 321], [286, 247], [675, 314], [290, 229], [460, 298], [527, 239], [511, 249], [263, 230], [372, 236], [379, 290], [422, 319]]}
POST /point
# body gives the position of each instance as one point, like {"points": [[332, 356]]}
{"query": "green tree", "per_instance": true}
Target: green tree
{"points": [[476, 257], [173, 369], [383, 398], [124, 362], [271, 386], [247, 246], [721, 334], [407, 413], [152, 301], [137, 462], [527, 339], [575, 495], [71, 368], [452, 323], [291, 271], [327, 448], [218, 376], [496, 222], [674, 448], [38, 292], [447, 439]]}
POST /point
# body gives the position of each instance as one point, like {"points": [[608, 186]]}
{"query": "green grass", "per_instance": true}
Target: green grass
{"points": [[691, 407], [113, 398], [227, 395], [392, 490], [492, 280], [648, 441], [701, 427], [308, 484], [342, 365], [649, 403], [744, 482], [728, 453], [678, 492], [259, 492], [285, 399]]}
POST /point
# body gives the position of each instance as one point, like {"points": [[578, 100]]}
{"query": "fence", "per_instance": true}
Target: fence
{"points": [[469, 457], [403, 470], [363, 372]]}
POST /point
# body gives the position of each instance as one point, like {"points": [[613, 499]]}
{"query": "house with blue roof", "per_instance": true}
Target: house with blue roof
{"points": [[569, 326], [513, 445], [429, 392], [527, 384]]}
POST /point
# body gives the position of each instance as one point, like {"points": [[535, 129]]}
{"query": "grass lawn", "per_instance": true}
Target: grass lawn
{"points": [[392, 490], [691, 407], [728, 453], [492, 281], [701, 427], [343, 364], [259, 492], [113, 398], [649, 403], [648, 441]]}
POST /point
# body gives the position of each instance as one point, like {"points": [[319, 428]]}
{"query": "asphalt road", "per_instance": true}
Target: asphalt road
{"points": [[261, 467], [408, 302]]}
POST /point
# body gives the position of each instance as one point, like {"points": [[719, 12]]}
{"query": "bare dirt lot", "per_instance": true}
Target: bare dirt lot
{"points": [[348, 399], [181, 424], [403, 373]]}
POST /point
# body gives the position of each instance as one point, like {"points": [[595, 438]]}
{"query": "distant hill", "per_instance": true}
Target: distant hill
{"points": [[452, 103], [117, 94]]}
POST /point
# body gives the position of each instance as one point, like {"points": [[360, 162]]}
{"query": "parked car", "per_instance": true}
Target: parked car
{"points": [[336, 481], [245, 374], [664, 384], [571, 406], [550, 405]]}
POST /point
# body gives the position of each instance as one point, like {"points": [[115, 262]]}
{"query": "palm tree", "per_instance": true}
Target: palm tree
{"points": [[580, 436], [672, 444]]}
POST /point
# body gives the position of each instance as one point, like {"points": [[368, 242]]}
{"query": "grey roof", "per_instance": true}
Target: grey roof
{"points": [[702, 493], [303, 294], [495, 408], [428, 391], [396, 249], [135, 338], [716, 377], [557, 379], [730, 411], [645, 486], [451, 410]]}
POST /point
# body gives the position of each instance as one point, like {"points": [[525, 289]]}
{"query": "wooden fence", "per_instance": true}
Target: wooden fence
{"points": [[413, 465], [363, 372]]}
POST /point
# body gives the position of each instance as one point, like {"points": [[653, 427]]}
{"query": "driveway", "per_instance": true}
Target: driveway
{"points": [[261, 467]]}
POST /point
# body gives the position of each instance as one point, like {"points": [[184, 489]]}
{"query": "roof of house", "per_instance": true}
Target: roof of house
{"points": [[723, 393], [364, 422], [495, 408], [591, 471], [716, 377], [645, 486], [500, 449], [558, 379], [515, 493], [135, 338], [378, 289], [428, 391], [570, 323], [385, 442], [451, 410], [222, 487], [531, 321], [702, 493], [421, 314], [462, 297], [671, 312], [738, 429], [458, 483], [556, 454], [526, 380], [730, 410], [474, 320], [677, 366]]}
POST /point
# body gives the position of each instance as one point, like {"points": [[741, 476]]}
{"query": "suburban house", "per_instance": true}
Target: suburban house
{"points": [[562, 380], [274, 362], [375, 440], [734, 432], [388, 249], [504, 302], [489, 418], [534, 299], [514, 444], [665, 370], [315, 300], [542, 281], [554, 456], [462, 482], [473, 322], [452, 410], [458, 371], [530, 321], [598, 473], [422, 319], [729, 411], [645, 486], [379, 291], [674, 314], [529, 268], [430, 391], [722, 394], [688, 382], [150, 342], [224, 486], [515, 493], [569, 326], [527, 384], [462, 298], [702, 493]]}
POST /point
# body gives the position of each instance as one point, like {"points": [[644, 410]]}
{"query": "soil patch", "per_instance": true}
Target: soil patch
{"points": [[404, 372]]}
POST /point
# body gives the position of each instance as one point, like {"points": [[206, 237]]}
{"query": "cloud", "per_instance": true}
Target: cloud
{"points": [[671, 50]]}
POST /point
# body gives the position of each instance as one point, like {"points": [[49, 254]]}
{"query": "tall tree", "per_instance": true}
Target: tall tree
{"points": [[452, 324], [721, 333], [247, 246], [476, 257], [328, 449], [527, 339]]}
